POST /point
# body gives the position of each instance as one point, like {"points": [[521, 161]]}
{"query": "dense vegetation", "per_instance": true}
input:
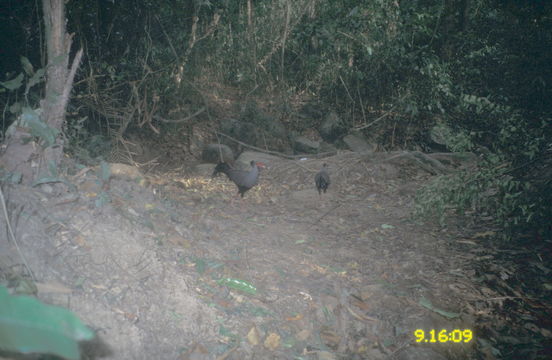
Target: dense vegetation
{"points": [[479, 70]]}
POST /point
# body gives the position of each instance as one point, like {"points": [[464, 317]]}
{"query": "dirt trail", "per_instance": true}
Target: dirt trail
{"points": [[338, 277]]}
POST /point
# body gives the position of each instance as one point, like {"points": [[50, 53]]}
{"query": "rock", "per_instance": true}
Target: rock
{"points": [[328, 148], [303, 145], [357, 143], [239, 129], [332, 127], [244, 131], [440, 134], [212, 153], [275, 136], [246, 157]]}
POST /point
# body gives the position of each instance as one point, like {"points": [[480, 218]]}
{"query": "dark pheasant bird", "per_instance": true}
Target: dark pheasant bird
{"points": [[243, 179], [322, 179]]}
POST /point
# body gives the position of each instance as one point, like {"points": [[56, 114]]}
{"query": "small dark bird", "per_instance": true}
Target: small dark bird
{"points": [[243, 179], [322, 179]]}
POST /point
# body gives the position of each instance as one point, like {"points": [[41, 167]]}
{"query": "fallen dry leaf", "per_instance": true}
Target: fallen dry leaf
{"points": [[330, 338], [295, 318], [253, 336], [360, 304], [272, 341], [80, 241]]}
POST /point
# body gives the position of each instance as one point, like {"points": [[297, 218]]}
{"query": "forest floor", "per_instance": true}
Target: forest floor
{"points": [[176, 267]]}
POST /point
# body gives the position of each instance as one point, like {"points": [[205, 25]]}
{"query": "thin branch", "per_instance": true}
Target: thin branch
{"points": [[280, 43], [373, 122], [276, 153], [71, 77], [339, 204], [346, 89], [256, 148], [10, 231], [361, 104], [167, 36], [157, 117]]}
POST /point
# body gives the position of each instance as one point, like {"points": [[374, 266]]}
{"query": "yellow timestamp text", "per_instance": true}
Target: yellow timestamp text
{"points": [[443, 336]]}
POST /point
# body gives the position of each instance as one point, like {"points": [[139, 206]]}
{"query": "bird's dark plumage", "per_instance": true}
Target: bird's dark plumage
{"points": [[322, 179], [221, 168], [243, 179]]}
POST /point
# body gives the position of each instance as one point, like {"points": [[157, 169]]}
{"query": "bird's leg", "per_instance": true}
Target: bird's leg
{"points": [[243, 203], [237, 198]]}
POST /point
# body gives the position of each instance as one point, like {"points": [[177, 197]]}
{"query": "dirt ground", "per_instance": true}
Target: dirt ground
{"points": [[162, 266]]}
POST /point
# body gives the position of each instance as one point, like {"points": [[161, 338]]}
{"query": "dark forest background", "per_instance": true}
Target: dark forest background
{"points": [[461, 76]]}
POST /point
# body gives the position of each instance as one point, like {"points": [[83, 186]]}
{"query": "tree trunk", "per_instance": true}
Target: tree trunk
{"points": [[20, 154], [59, 77]]}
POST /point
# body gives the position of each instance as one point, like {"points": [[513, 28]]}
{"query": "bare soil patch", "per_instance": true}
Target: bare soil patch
{"points": [[147, 262]]}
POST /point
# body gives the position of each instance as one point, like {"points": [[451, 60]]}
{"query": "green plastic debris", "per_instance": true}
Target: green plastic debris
{"points": [[29, 326]]}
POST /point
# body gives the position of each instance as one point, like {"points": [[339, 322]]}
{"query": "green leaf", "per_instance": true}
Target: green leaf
{"points": [[48, 180], [228, 333], [29, 326], [27, 66], [45, 179], [12, 178], [38, 127], [427, 304], [238, 285], [102, 199], [15, 108], [200, 265], [52, 168], [105, 171], [37, 78], [13, 84]]}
